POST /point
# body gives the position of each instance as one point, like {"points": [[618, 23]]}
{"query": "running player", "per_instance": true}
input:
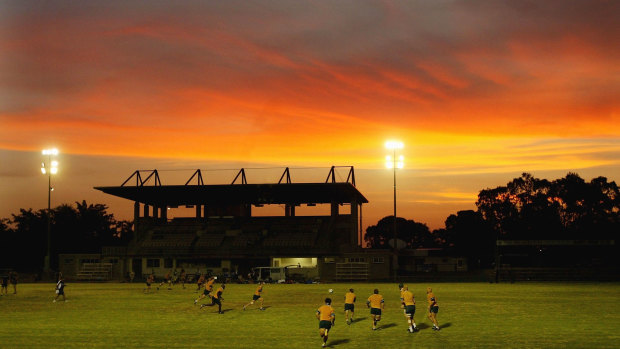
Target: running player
{"points": [[149, 281], [349, 306], [376, 303], [257, 296], [207, 290], [60, 289], [200, 282], [400, 288], [409, 305], [183, 277], [327, 318], [167, 280], [216, 299], [433, 308]]}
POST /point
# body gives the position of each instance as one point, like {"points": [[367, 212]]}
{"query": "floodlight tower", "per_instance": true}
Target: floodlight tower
{"points": [[51, 168], [391, 162]]}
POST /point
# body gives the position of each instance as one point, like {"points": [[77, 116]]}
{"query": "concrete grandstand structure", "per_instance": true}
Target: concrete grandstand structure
{"points": [[222, 236]]}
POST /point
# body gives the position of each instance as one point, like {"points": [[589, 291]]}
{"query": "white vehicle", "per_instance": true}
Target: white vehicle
{"points": [[271, 274]]}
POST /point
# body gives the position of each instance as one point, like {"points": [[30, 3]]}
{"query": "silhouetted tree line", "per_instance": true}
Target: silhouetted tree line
{"points": [[527, 208], [80, 229]]}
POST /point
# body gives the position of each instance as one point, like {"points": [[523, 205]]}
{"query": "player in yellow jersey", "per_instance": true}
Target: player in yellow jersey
{"points": [[216, 299], [208, 289], [349, 306], [409, 304], [433, 308], [257, 296], [400, 288], [376, 304], [327, 318]]}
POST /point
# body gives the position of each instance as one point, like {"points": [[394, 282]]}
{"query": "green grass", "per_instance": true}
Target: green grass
{"points": [[472, 315]]}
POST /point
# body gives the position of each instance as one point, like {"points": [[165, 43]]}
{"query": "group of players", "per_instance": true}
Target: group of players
{"points": [[327, 316], [207, 284]]}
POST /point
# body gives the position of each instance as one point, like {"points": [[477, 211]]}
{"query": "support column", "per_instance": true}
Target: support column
{"points": [[146, 211], [335, 209], [198, 211], [155, 212], [354, 216], [164, 212]]}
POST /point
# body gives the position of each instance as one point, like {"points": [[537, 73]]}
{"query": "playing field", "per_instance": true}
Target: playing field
{"points": [[471, 315]]}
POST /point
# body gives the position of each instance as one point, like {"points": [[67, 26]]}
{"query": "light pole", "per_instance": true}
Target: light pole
{"points": [[49, 169], [391, 162]]}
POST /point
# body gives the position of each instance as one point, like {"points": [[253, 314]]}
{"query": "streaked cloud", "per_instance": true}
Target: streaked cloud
{"points": [[471, 87]]}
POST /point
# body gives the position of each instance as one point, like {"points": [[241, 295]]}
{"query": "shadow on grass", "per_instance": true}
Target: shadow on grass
{"points": [[447, 324], [387, 326], [358, 319], [339, 341], [422, 326]]}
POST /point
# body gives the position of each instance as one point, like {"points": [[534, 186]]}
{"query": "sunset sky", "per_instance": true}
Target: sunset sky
{"points": [[478, 91]]}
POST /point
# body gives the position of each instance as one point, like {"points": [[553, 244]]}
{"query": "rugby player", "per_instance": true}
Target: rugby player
{"points": [[216, 299], [376, 303], [327, 318], [409, 305], [349, 306], [207, 290], [257, 296], [433, 308]]}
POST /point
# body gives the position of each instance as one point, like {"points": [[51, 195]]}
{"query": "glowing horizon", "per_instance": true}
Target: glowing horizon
{"points": [[470, 88]]}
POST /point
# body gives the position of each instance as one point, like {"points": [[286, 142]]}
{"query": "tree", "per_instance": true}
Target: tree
{"points": [[469, 235], [412, 233], [84, 228]]}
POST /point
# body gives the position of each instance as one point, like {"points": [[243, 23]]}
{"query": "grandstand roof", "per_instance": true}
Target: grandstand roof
{"points": [[234, 194]]}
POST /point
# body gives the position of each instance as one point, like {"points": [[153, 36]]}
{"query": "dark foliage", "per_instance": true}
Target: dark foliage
{"points": [[80, 229]]}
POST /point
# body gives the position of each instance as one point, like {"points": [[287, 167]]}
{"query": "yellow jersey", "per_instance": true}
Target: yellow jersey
{"points": [[259, 289], [431, 299], [209, 285], [349, 298], [326, 313], [218, 293], [375, 301], [408, 298]]}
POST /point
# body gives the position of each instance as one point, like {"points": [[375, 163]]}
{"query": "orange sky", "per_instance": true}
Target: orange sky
{"points": [[479, 91]]}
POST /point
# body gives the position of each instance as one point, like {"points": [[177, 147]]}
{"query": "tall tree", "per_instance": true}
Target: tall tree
{"points": [[414, 234]]}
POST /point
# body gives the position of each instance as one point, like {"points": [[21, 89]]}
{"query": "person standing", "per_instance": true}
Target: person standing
{"points": [[376, 304], [60, 289], [5, 285], [433, 308], [13, 279], [327, 318], [349, 306], [257, 296], [149, 280], [183, 277], [409, 305], [216, 299]]}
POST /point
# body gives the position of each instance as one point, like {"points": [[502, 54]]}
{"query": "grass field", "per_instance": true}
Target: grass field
{"points": [[471, 315]]}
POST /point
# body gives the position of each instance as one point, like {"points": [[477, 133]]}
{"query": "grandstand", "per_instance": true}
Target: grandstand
{"points": [[222, 236]]}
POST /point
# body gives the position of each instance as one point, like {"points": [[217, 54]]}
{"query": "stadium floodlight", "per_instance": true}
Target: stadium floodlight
{"points": [[52, 151], [392, 163], [392, 145], [50, 169]]}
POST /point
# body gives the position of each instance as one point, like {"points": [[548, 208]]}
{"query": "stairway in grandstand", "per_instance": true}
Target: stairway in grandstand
{"points": [[95, 272]]}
